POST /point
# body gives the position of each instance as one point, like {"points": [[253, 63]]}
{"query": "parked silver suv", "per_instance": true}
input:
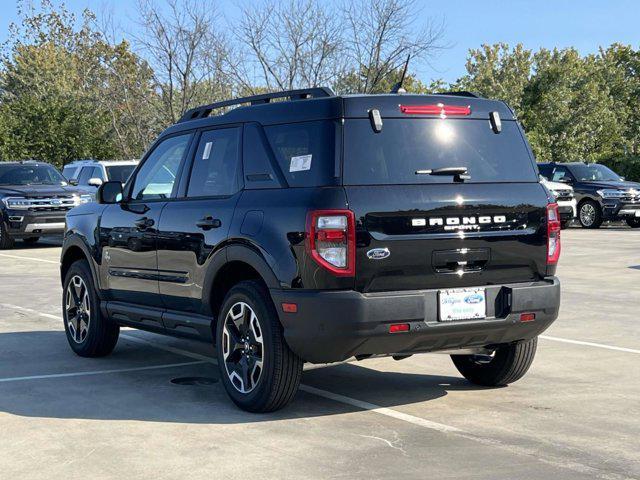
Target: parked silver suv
{"points": [[93, 173]]}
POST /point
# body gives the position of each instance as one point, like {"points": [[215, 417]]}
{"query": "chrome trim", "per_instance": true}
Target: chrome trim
{"points": [[36, 203], [44, 226]]}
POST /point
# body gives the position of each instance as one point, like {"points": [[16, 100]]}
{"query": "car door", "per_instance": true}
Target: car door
{"points": [[193, 227], [128, 230]]}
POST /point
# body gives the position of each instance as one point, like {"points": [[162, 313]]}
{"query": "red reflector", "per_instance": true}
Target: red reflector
{"points": [[399, 327], [332, 236], [527, 317], [437, 109], [290, 308]]}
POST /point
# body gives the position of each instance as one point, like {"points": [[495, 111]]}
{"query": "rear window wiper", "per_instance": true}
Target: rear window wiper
{"points": [[459, 174]]}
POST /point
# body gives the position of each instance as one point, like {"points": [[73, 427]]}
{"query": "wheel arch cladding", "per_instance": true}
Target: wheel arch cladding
{"points": [[74, 250], [241, 263]]}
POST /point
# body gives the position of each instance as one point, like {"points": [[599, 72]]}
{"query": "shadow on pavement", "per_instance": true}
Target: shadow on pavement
{"points": [[149, 395]]}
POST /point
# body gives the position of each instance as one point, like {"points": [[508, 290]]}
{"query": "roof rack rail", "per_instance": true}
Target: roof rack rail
{"points": [[304, 93], [462, 93]]}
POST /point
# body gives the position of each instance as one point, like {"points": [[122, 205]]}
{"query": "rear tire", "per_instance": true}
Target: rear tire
{"points": [[633, 222], [258, 370], [89, 333], [6, 241], [590, 214], [508, 364]]}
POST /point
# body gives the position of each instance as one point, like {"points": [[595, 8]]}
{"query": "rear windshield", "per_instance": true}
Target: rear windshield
{"points": [[405, 146], [120, 173]]}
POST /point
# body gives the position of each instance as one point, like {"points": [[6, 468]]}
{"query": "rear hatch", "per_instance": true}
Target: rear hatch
{"points": [[420, 230]]}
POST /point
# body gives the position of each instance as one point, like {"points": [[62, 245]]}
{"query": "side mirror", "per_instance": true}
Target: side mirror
{"points": [[73, 181], [622, 179], [565, 180], [109, 192], [95, 182]]}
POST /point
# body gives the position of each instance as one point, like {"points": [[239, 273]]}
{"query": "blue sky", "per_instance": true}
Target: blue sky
{"points": [[585, 24]]}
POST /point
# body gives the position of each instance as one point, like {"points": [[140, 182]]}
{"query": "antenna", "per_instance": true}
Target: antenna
{"points": [[397, 88]]}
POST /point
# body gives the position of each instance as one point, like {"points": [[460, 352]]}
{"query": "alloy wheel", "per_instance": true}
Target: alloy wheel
{"points": [[242, 347], [587, 214], [78, 309]]}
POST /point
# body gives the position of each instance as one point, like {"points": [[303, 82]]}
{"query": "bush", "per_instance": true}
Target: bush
{"points": [[627, 167]]}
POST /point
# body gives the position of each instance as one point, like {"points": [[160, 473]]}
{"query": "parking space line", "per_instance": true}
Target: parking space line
{"points": [[57, 262], [590, 344], [98, 372], [29, 310]]}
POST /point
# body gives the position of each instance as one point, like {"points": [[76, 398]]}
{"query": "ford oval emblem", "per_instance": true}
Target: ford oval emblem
{"points": [[378, 253], [473, 298]]}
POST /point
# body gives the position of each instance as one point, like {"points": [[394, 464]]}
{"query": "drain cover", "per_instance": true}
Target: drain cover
{"points": [[194, 381]]}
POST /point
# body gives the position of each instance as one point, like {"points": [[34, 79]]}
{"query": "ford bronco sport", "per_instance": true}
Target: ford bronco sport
{"points": [[302, 226]]}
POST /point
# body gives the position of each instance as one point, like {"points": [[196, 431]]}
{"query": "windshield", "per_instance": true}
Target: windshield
{"points": [[594, 173], [405, 146], [120, 173], [25, 174]]}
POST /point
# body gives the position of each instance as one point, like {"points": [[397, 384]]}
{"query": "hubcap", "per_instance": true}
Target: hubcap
{"points": [[587, 214], [77, 309], [242, 347]]}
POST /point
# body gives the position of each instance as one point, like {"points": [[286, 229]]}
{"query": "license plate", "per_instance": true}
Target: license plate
{"points": [[462, 304]]}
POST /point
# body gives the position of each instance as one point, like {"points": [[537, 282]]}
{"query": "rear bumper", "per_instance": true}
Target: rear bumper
{"points": [[25, 223], [332, 326]]}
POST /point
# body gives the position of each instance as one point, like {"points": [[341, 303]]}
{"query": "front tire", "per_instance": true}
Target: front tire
{"points": [[89, 333], [258, 370], [590, 214], [6, 241], [508, 364], [633, 222]]}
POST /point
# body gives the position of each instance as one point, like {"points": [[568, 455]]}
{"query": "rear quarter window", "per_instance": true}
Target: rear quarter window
{"points": [[306, 152]]}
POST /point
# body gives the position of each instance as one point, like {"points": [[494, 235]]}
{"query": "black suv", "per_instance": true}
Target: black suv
{"points": [[34, 198], [320, 227], [600, 192]]}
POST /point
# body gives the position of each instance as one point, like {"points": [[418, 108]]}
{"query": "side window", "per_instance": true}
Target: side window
{"points": [[306, 152], [545, 171], [156, 179], [85, 174], [216, 163], [68, 172], [560, 172]]}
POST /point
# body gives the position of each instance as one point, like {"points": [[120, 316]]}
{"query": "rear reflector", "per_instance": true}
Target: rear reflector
{"points": [[290, 308], [527, 317], [399, 327], [437, 109]]}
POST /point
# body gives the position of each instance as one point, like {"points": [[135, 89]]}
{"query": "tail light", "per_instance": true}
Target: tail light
{"points": [[553, 234], [331, 240], [436, 109]]}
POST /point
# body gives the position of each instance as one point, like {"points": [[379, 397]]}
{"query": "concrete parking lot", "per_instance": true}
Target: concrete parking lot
{"points": [[575, 415]]}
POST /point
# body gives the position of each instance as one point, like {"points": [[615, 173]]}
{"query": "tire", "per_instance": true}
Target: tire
{"points": [[564, 225], [633, 222], [89, 333], [6, 241], [590, 214], [31, 240], [508, 364], [258, 370]]}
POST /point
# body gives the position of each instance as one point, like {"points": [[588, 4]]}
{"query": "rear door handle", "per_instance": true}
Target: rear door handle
{"points": [[207, 223], [144, 223]]}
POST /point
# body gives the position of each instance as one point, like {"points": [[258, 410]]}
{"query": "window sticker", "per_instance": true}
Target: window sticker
{"points": [[300, 163], [207, 151]]}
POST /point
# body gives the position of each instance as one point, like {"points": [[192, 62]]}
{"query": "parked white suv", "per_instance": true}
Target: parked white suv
{"points": [[93, 173], [567, 207]]}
